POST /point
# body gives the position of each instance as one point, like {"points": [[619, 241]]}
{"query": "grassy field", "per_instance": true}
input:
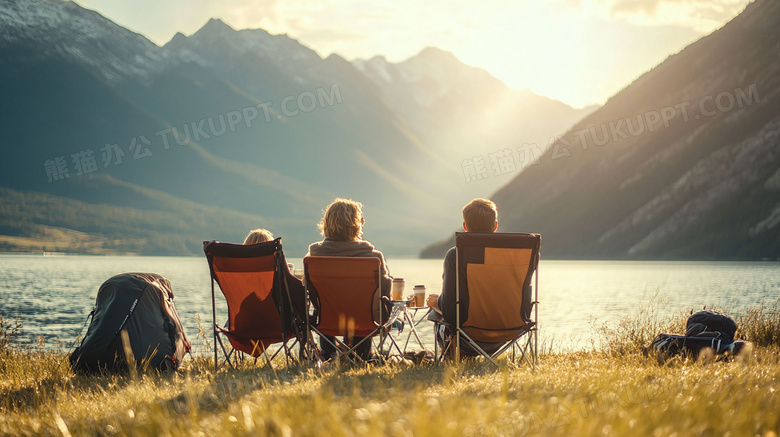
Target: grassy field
{"points": [[616, 391]]}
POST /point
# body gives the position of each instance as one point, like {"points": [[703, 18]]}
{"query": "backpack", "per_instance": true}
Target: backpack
{"points": [[710, 324], [704, 329], [142, 305], [668, 345]]}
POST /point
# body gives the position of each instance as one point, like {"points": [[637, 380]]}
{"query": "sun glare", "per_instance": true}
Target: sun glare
{"points": [[580, 52]]}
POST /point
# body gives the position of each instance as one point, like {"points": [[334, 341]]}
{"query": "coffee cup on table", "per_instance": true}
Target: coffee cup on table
{"points": [[398, 288], [419, 295]]}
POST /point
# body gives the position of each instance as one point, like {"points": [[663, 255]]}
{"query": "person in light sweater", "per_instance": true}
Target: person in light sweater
{"points": [[342, 226]]}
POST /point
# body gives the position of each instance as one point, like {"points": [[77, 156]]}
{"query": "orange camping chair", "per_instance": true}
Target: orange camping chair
{"points": [[495, 300], [265, 301], [345, 293]]}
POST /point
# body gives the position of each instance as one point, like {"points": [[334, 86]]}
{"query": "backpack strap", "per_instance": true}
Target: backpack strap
{"points": [[131, 310]]}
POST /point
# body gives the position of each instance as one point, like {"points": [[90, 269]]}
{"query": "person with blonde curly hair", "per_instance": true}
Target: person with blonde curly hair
{"points": [[342, 226], [258, 235]]}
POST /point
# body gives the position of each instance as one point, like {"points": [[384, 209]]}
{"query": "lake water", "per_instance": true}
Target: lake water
{"points": [[53, 295]]}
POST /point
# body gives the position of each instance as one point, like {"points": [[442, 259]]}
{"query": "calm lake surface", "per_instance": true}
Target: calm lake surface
{"points": [[53, 295]]}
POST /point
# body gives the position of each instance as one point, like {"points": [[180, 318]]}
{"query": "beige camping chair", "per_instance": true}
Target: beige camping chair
{"points": [[495, 300]]}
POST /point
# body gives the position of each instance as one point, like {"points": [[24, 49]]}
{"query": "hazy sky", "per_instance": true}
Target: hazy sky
{"points": [[578, 51]]}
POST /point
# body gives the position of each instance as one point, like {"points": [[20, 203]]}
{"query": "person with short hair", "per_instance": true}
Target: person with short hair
{"points": [[479, 215], [342, 226], [258, 235]]}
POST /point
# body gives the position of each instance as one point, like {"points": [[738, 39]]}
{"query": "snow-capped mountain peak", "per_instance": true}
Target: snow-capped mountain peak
{"points": [[218, 45], [65, 28]]}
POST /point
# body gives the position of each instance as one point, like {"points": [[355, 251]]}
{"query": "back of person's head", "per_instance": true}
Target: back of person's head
{"points": [[342, 220], [258, 235], [480, 215]]}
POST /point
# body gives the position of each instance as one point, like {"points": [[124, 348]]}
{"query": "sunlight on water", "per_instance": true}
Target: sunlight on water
{"points": [[53, 295]]}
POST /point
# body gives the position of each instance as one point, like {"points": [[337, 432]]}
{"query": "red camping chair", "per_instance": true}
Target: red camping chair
{"points": [[346, 295], [265, 302], [495, 301]]}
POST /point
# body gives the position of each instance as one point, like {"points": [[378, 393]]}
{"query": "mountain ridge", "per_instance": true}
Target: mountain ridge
{"points": [[257, 125], [686, 176]]}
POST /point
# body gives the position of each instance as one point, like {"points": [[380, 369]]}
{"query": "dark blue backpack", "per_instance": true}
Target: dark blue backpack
{"points": [[704, 329], [711, 324]]}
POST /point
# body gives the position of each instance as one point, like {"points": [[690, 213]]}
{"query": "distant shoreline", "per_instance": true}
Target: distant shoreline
{"points": [[406, 257]]}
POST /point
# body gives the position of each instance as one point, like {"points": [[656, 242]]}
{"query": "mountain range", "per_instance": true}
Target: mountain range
{"points": [[684, 163], [113, 144]]}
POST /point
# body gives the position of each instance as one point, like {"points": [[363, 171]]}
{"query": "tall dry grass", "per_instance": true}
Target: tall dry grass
{"points": [[757, 325], [760, 325], [573, 394]]}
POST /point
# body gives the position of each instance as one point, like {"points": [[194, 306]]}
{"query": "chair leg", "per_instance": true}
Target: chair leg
{"points": [[435, 345], [381, 344], [438, 357], [228, 355], [352, 351], [336, 344], [476, 347], [527, 352], [268, 359], [383, 336], [288, 355], [448, 349], [309, 350]]}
